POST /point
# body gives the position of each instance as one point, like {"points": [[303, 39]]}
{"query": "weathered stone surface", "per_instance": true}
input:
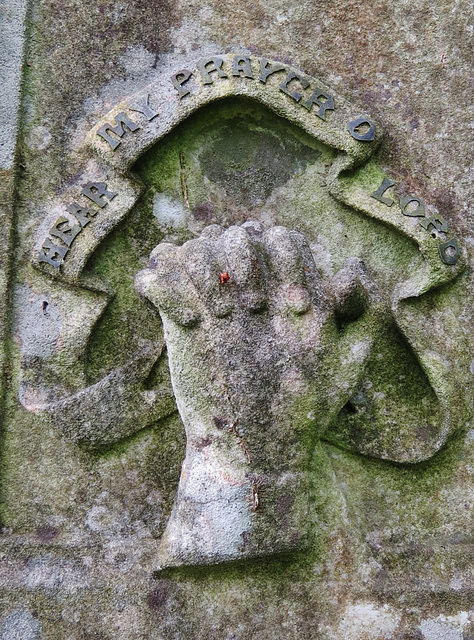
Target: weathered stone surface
{"points": [[259, 372], [92, 446]]}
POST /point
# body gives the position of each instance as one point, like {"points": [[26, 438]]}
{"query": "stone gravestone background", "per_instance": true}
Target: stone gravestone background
{"points": [[262, 429]]}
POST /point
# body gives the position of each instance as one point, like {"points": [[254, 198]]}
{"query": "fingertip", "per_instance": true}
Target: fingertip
{"points": [[167, 287], [212, 232], [199, 257], [287, 267], [144, 281], [162, 253], [244, 266], [253, 228], [317, 288]]}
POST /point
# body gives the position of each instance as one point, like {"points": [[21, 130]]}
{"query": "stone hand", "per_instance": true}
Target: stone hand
{"points": [[258, 368]]}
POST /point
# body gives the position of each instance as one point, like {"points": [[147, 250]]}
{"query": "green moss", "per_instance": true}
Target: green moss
{"points": [[234, 161], [394, 407], [405, 498], [128, 320], [230, 155]]}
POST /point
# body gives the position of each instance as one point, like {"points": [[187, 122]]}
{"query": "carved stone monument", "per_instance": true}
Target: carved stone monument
{"points": [[237, 366]]}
